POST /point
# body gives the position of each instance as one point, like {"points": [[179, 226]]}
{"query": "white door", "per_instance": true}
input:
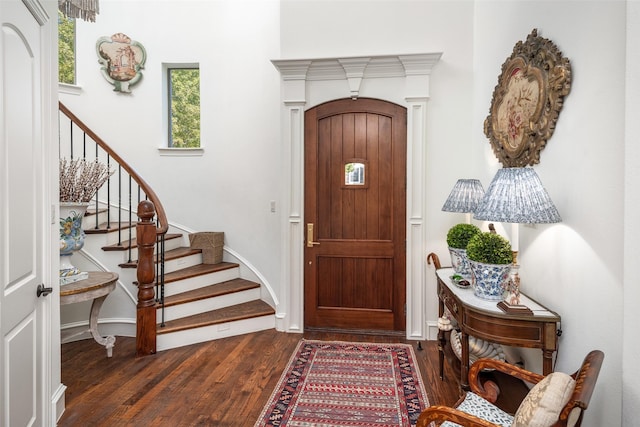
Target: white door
{"points": [[22, 227]]}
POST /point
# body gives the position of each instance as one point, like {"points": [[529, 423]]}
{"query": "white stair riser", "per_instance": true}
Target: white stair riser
{"points": [[214, 332], [182, 262], [89, 221], [103, 217], [208, 304], [113, 236], [169, 244], [94, 243], [192, 283]]}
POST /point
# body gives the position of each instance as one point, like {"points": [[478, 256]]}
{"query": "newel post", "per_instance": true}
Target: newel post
{"points": [[146, 309]]}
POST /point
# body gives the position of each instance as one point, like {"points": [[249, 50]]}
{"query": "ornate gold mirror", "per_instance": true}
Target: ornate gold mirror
{"points": [[527, 101]]}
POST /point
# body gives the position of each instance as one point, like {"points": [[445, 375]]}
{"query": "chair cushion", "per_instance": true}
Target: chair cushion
{"points": [[476, 405], [541, 407]]}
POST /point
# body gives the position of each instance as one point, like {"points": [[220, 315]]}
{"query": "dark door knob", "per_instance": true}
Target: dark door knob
{"points": [[42, 291]]}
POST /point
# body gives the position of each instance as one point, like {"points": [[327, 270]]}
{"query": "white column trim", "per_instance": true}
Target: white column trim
{"points": [[297, 91], [290, 313], [416, 161]]}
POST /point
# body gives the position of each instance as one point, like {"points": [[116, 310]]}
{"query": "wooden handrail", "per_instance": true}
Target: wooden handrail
{"points": [[163, 224]]}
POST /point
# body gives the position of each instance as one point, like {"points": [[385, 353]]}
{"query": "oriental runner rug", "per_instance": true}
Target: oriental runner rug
{"points": [[330, 383]]}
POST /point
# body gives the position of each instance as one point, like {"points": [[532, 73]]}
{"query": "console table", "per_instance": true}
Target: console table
{"points": [[96, 287], [483, 319]]}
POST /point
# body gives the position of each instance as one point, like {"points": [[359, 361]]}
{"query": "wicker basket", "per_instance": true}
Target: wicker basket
{"points": [[211, 244]]}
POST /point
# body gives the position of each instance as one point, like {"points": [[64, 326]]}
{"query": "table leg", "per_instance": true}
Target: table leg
{"points": [[464, 363], [109, 341], [441, 338], [547, 361], [441, 344]]}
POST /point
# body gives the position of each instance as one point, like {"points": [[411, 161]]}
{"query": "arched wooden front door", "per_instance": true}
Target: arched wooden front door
{"points": [[354, 212]]}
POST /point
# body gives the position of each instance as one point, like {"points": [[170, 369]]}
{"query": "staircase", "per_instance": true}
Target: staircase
{"points": [[194, 302], [202, 302]]}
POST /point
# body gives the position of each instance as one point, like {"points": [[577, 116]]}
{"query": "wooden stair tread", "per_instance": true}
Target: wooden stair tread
{"points": [[109, 227], [247, 310], [134, 243], [219, 289], [91, 211], [197, 270], [168, 256], [180, 252]]}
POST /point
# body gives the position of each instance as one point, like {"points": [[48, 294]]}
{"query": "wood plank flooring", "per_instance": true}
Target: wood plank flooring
{"points": [[221, 383]]}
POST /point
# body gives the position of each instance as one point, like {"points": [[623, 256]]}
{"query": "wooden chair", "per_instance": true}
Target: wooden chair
{"points": [[555, 400]]}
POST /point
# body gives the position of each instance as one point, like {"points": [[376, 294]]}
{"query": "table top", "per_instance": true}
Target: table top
{"points": [[96, 280], [467, 297]]}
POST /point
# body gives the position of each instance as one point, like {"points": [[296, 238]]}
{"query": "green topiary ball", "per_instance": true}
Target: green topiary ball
{"points": [[489, 248], [459, 235]]}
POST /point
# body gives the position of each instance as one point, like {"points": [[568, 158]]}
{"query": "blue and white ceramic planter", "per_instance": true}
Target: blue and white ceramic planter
{"points": [[71, 239], [488, 280], [460, 262]]}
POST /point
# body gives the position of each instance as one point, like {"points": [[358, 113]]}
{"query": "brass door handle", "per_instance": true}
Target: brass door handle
{"points": [[310, 242]]}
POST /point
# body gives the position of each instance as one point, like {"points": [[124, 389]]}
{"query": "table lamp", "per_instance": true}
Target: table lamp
{"points": [[517, 196], [464, 197]]}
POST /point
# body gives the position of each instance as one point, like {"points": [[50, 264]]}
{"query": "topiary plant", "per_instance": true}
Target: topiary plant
{"points": [[489, 248], [459, 235]]}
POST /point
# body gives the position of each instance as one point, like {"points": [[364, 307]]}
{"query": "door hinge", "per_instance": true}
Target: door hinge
{"points": [[405, 309]]}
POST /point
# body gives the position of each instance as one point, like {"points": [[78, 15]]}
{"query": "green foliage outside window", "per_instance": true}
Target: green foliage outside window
{"points": [[66, 49], [184, 88]]}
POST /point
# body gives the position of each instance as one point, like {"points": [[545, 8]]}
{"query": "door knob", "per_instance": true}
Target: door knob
{"points": [[42, 291]]}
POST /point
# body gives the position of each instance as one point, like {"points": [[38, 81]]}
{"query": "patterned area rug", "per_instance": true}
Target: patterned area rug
{"points": [[347, 384]]}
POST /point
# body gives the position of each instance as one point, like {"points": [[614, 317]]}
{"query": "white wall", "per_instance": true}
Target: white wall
{"points": [[631, 344], [575, 267]]}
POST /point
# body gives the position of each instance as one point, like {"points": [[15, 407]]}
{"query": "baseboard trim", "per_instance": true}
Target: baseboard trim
{"points": [[432, 331], [58, 402]]}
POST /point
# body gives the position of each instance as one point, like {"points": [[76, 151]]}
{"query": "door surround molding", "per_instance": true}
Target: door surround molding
{"points": [[402, 79]]}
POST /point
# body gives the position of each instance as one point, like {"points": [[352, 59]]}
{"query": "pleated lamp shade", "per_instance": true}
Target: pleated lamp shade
{"points": [[464, 197], [84, 9], [516, 195]]}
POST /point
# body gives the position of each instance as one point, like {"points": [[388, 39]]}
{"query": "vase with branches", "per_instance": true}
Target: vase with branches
{"points": [[80, 180]]}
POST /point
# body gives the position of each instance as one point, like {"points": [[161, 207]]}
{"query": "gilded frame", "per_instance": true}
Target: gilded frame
{"points": [[527, 101]]}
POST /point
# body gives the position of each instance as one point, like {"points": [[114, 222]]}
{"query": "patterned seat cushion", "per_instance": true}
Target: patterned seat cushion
{"points": [[476, 405]]}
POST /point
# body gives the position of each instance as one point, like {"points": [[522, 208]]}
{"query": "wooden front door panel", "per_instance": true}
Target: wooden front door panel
{"points": [[355, 270]]}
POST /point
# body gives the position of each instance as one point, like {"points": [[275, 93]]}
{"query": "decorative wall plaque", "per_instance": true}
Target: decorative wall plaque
{"points": [[527, 101], [121, 59]]}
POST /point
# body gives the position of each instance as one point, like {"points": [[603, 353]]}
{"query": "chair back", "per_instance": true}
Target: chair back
{"points": [[586, 378]]}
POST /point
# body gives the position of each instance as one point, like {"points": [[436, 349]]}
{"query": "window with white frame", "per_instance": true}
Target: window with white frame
{"points": [[66, 49], [183, 106]]}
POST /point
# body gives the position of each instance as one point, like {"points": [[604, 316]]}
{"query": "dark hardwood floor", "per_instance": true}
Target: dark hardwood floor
{"points": [[221, 383]]}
